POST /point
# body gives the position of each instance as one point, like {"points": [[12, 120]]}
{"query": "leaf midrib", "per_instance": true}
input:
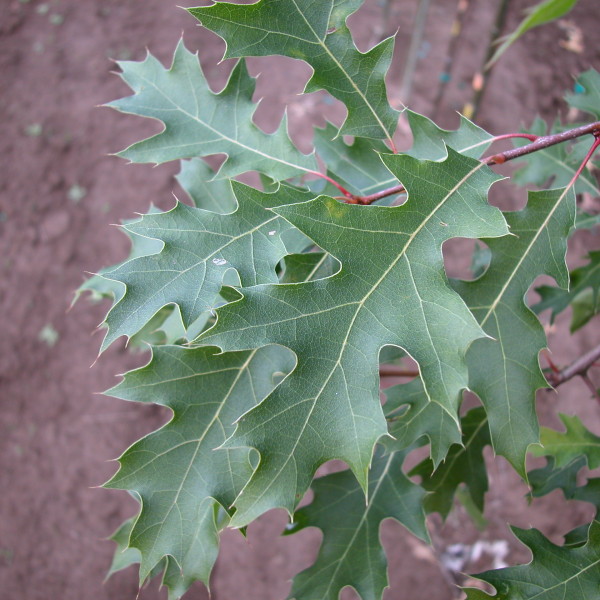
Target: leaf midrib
{"points": [[220, 134], [524, 256], [215, 418], [150, 298], [360, 304]]}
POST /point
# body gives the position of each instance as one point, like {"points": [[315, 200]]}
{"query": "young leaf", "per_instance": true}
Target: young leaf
{"points": [[568, 445], [503, 369], [391, 290], [199, 247], [464, 464], [544, 12], [351, 553], [589, 99], [314, 32], [199, 122], [554, 573], [585, 279], [178, 475]]}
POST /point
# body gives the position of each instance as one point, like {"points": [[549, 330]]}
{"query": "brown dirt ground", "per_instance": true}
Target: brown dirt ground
{"points": [[56, 436]]}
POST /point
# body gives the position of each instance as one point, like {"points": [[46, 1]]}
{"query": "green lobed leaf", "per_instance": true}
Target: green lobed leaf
{"points": [[430, 141], [567, 446], [124, 556], [584, 281], [545, 480], [554, 573], [199, 122], [503, 369], [178, 475], [549, 478], [351, 553], [391, 290], [411, 415], [587, 100], [100, 286], [589, 492], [314, 32], [463, 464], [199, 248]]}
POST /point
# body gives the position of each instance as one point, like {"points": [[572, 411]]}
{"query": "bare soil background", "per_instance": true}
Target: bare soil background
{"points": [[59, 191]]}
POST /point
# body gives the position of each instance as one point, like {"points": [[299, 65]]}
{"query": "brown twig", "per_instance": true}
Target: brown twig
{"points": [[578, 367], [497, 159], [542, 142], [396, 371]]}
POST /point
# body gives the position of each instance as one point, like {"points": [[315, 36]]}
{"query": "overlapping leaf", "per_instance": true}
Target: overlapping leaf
{"points": [[199, 123], [351, 553], [555, 572], [411, 415], [569, 445], [358, 167], [199, 247], [503, 369], [584, 287], [464, 464], [316, 33], [196, 178], [178, 475], [391, 290], [545, 480]]}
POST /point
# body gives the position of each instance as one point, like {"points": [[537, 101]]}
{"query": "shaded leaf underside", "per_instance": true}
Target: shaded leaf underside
{"points": [[176, 472], [393, 292], [199, 122]]}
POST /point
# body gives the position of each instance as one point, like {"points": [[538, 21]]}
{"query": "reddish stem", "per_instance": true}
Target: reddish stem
{"points": [[539, 143], [587, 157], [542, 142], [577, 368], [510, 136], [551, 363], [340, 187]]}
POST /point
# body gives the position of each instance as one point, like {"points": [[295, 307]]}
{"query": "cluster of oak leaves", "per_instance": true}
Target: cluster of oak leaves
{"points": [[271, 310]]}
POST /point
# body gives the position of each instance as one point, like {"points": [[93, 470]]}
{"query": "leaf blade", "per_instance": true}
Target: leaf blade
{"points": [[196, 122], [334, 389], [316, 34]]}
